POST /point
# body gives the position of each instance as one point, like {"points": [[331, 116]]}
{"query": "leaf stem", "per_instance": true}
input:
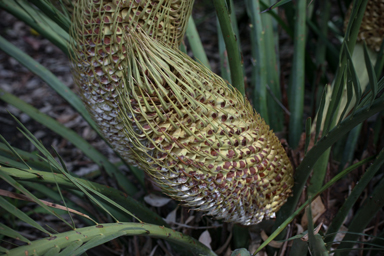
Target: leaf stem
{"points": [[195, 42], [93, 236], [259, 69], [303, 171], [296, 89], [234, 56]]}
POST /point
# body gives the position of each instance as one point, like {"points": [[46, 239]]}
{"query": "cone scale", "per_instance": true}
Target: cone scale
{"points": [[198, 138]]}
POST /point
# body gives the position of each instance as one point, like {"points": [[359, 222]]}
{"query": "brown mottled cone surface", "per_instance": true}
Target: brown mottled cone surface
{"points": [[197, 137], [372, 25], [210, 149], [100, 51]]}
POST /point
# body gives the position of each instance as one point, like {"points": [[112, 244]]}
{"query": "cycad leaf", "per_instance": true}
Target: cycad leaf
{"points": [[334, 105], [236, 65], [302, 207], [278, 20], [21, 215], [83, 187], [355, 80], [63, 91], [311, 235], [225, 72], [14, 151], [7, 231], [259, 63], [49, 78], [349, 88], [299, 247], [307, 133], [92, 236], [26, 192], [33, 160], [50, 10], [354, 249], [354, 233], [303, 171], [371, 73], [364, 215], [5, 161], [380, 60], [352, 198], [97, 240], [117, 196], [359, 242], [320, 112], [63, 199], [38, 21], [241, 252], [69, 250], [316, 242], [378, 240], [56, 197], [53, 251], [369, 95], [70, 135], [277, 4], [320, 248], [275, 107], [297, 77], [324, 39], [349, 42], [195, 42]]}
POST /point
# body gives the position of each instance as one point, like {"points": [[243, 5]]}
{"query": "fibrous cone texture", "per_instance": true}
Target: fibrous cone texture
{"points": [[372, 24], [198, 138], [100, 51]]}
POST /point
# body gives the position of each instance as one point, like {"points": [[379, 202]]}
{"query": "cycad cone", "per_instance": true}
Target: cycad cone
{"points": [[372, 32], [372, 24], [198, 138]]}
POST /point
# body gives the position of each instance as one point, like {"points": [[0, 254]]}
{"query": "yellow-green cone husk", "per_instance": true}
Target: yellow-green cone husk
{"points": [[198, 138]]}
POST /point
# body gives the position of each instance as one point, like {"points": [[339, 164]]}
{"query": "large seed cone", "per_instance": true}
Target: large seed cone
{"points": [[372, 32], [100, 49], [205, 145], [372, 25], [196, 136]]}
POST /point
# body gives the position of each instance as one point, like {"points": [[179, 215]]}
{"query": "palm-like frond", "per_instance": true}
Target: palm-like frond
{"points": [[79, 240]]}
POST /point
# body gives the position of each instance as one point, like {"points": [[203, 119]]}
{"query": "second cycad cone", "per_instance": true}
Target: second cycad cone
{"points": [[372, 24], [196, 136]]}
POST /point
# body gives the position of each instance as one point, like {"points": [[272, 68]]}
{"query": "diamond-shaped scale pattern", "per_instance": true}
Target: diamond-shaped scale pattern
{"points": [[198, 138]]}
